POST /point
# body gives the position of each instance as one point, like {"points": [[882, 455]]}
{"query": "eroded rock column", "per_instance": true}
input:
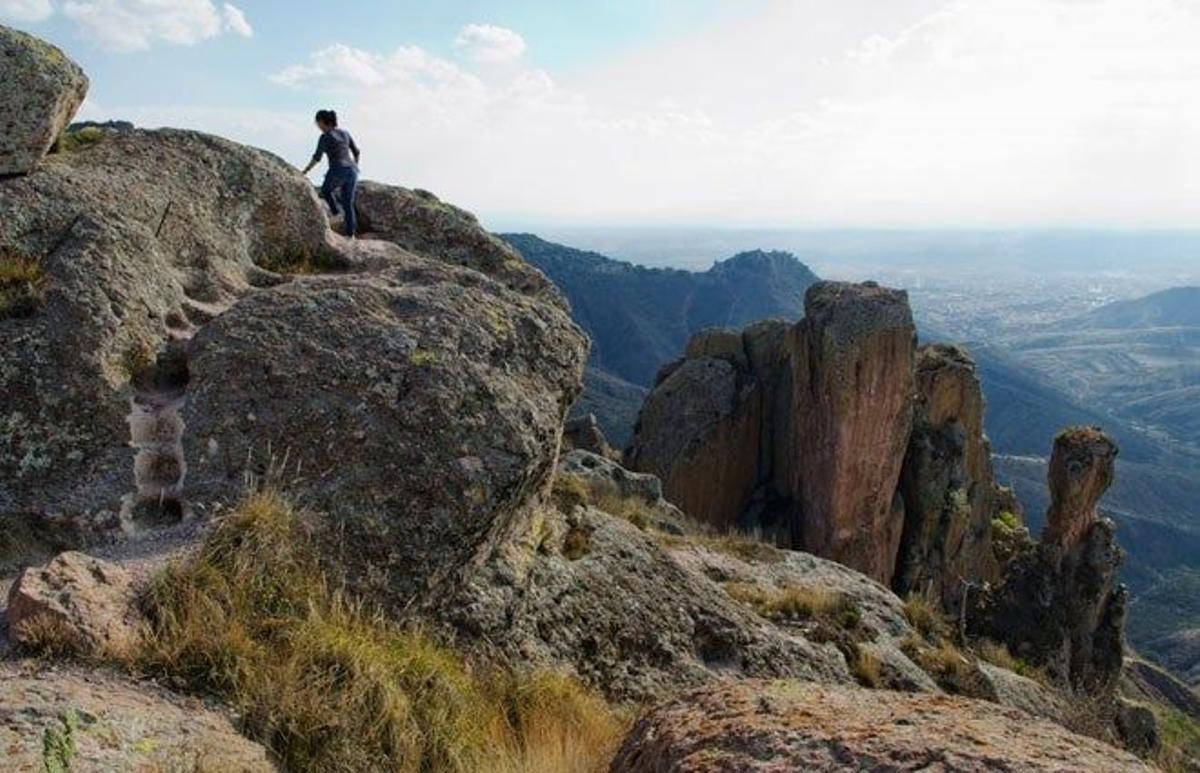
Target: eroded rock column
{"points": [[852, 389]]}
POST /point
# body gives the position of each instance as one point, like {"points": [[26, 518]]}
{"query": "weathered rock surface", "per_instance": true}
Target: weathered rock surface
{"points": [[949, 491], [852, 377], [113, 724], [1060, 605], [419, 221], [77, 604], [881, 625], [418, 409], [793, 726], [134, 241], [40, 90], [594, 595], [798, 430]]}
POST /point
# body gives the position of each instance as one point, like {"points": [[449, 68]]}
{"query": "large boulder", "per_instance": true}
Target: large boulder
{"points": [[60, 719], [419, 221], [795, 726], [949, 491], [75, 604], [126, 247], [798, 431], [417, 409], [40, 90]]}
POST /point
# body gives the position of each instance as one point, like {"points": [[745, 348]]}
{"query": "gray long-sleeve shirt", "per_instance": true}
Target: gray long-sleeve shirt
{"points": [[339, 146]]}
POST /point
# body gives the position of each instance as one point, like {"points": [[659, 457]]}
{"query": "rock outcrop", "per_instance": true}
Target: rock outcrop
{"points": [[39, 93], [949, 491], [794, 726], [128, 245], [76, 605], [418, 409], [797, 430], [1059, 604], [419, 221], [59, 719]]}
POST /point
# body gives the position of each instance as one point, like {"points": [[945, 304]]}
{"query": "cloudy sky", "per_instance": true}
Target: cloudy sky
{"points": [[921, 113]]}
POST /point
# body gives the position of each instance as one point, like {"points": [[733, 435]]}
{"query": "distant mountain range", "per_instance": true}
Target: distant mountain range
{"points": [[1133, 367], [641, 318]]}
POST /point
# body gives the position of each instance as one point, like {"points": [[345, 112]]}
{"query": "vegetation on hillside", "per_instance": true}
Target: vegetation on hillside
{"points": [[329, 685]]}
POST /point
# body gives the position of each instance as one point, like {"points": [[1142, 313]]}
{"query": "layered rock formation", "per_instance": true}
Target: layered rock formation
{"points": [[796, 430], [789, 726], [41, 92], [1059, 604], [949, 492]]}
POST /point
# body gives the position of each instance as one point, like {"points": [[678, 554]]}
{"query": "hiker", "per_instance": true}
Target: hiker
{"points": [[342, 176]]}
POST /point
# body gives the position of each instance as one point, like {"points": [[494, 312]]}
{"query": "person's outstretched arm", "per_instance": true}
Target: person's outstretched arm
{"points": [[316, 159]]}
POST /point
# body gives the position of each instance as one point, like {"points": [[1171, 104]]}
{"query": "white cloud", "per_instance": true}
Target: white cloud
{"points": [[134, 25], [487, 43], [25, 10], [235, 21], [920, 112]]}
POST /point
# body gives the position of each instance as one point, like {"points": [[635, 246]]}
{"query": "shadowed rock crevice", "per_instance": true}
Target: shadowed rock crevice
{"points": [[156, 430]]}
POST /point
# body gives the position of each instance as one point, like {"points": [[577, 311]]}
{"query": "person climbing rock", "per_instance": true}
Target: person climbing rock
{"points": [[342, 176]]}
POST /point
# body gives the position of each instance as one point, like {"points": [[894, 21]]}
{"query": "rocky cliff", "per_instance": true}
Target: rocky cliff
{"points": [[1059, 603], [180, 324]]}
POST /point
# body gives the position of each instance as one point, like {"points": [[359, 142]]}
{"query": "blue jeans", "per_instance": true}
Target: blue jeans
{"points": [[343, 180]]}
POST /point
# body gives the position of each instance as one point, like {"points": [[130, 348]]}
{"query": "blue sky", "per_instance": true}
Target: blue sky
{"points": [[906, 113]]}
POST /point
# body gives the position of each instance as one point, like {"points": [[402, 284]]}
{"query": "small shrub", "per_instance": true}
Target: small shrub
{"points": [[22, 285], [58, 743], [79, 139], [924, 616], [328, 684], [1009, 537]]}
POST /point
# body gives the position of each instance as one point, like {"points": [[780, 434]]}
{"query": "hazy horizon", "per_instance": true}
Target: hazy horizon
{"points": [[913, 113]]}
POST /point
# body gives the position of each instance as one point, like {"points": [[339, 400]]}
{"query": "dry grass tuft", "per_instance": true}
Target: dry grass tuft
{"points": [[22, 285], [924, 616], [797, 603], [571, 490], [866, 668], [999, 655], [47, 636], [329, 685]]}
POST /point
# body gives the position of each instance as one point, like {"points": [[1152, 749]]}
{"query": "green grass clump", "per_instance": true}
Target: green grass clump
{"points": [[329, 685], [58, 743], [22, 285], [1009, 537]]}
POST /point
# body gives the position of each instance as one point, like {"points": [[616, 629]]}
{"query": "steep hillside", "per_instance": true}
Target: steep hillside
{"points": [[639, 317]]}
